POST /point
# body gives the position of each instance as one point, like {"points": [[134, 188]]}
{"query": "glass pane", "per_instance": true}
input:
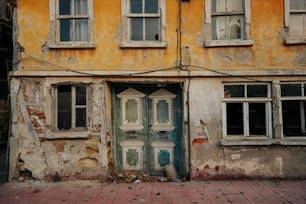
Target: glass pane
{"points": [[227, 27], [233, 91], [65, 34], [296, 24], [163, 158], [162, 110], [297, 4], [227, 5], [257, 91], [151, 6], [291, 89], [131, 111], [80, 7], [235, 5], [64, 7], [136, 6], [81, 30], [257, 118], [234, 118], [136, 29], [80, 117], [152, 29], [292, 113], [64, 107], [80, 95], [132, 157]]}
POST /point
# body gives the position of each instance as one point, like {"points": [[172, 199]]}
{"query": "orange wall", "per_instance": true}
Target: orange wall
{"points": [[267, 52]]}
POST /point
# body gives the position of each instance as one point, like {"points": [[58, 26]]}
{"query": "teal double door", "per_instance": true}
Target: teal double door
{"points": [[147, 127]]}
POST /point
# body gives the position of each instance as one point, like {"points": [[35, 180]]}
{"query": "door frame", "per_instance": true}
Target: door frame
{"points": [[182, 171]]}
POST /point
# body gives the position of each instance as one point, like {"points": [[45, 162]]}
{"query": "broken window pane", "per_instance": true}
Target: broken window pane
{"points": [[257, 91], [64, 107], [233, 91], [291, 90], [293, 118], [152, 29], [234, 118], [257, 118]]}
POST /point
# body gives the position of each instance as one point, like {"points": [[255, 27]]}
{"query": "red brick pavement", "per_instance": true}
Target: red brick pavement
{"points": [[77, 192]]}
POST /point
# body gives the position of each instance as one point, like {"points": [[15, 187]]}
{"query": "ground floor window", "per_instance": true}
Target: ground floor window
{"points": [[247, 110], [71, 107], [293, 109]]}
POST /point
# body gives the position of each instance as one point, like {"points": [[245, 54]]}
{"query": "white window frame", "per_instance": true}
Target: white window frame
{"points": [[54, 32], [73, 108], [126, 42], [245, 101], [209, 42], [292, 39], [294, 98]]}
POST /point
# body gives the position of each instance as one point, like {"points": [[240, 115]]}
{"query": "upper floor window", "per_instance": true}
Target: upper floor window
{"points": [[295, 21], [71, 23], [227, 23], [143, 23], [247, 110], [293, 97], [71, 107]]}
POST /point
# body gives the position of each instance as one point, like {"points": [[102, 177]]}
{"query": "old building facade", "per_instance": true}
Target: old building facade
{"points": [[213, 88]]}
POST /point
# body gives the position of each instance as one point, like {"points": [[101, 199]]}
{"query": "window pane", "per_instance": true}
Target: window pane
{"points": [[233, 91], [80, 95], [293, 111], [162, 111], [257, 91], [227, 27], [136, 6], [235, 5], [81, 30], [291, 89], [296, 23], [257, 118], [64, 107], [136, 29], [234, 118], [80, 7], [80, 117], [151, 6], [227, 5], [65, 34], [152, 29], [131, 111], [64, 7], [297, 4]]}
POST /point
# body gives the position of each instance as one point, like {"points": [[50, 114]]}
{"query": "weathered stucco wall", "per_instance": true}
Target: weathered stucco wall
{"points": [[46, 154]]}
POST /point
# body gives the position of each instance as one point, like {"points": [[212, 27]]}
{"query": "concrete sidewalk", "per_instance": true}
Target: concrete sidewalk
{"points": [[33, 192]]}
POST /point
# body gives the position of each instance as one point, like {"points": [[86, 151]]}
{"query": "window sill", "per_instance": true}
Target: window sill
{"points": [[72, 45], [246, 141], [295, 40], [142, 44], [293, 141], [68, 135], [227, 43]]}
